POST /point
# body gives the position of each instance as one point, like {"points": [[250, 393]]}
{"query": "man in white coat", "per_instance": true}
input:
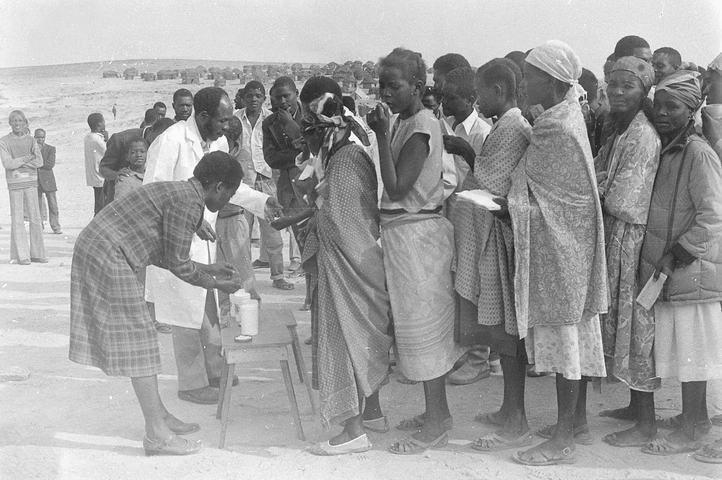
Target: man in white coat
{"points": [[190, 310]]}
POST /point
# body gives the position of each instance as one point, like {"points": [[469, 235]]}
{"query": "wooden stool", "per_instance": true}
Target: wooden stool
{"points": [[276, 331]]}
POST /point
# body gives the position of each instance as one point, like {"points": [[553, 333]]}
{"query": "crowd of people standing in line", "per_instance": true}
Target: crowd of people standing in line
{"points": [[599, 189]]}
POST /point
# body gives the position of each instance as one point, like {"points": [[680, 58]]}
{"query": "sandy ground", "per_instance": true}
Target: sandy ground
{"points": [[68, 421]]}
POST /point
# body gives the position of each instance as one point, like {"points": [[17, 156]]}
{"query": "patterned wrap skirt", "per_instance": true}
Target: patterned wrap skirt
{"points": [[110, 325], [418, 251]]}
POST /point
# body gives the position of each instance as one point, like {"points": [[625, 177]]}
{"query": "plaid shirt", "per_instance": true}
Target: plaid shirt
{"points": [[153, 225]]}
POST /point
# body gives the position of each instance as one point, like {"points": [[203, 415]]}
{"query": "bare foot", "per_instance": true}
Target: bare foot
{"points": [[626, 413], [429, 432], [632, 437], [491, 418]]}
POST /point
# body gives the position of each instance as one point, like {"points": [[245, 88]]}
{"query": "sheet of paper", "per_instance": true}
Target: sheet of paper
{"points": [[651, 291], [483, 198]]}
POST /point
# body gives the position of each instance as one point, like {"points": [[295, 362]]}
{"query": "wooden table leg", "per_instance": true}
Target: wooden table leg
{"points": [[226, 402], [292, 400], [224, 376], [301, 365]]}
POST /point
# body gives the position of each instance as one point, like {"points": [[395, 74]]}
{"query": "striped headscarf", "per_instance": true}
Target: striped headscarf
{"points": [[685, 86], [637, 67]]}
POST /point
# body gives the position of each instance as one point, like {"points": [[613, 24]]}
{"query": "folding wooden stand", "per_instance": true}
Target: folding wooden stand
{"points": [[276, 332]]}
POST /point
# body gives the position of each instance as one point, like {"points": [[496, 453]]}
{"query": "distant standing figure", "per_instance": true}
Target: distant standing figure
{"points": [[21, 157], [46, 183], [94, 151], [114, 112]]}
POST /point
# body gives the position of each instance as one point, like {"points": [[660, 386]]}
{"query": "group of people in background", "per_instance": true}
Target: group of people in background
{"points": [[600, 187]]}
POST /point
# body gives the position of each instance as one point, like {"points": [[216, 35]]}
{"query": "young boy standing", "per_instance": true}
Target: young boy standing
{"points": [[461, 122]]}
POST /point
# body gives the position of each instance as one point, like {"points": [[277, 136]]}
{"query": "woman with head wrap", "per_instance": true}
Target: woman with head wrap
{"points": [[353, 306], [632, 158], [684, 229], [560, 281]]}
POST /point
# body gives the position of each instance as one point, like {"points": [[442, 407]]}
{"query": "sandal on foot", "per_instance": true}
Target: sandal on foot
{"points": [[412, 446], [567, 455], [490, 418], [663, 446], [711, 453], [357, 445], [281, 284], [675, 423], [415, 423], [613, 440], [378, 425], [173, 445], [581, 434], [493, 442]]}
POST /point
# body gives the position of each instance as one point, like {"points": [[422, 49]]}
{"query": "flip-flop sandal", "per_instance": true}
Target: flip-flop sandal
{"points": [[662, 446], [581, 434], [489, 418], [378, 425], [415, 423], [357, 445], [675, 423], [567, 455], [710, 454], [493, 442], [412, 446]]}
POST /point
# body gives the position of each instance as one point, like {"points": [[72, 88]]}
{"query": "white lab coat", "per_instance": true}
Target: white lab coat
{"points": [[172, 157]]}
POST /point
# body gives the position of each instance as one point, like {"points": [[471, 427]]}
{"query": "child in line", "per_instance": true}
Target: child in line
{"points": [[131, 177], [418, 243]]}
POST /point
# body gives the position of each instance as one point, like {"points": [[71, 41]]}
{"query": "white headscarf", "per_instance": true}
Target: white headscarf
{"points": [[559, 60]]}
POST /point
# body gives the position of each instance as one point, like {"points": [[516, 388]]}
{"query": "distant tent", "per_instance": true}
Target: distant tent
{"points": [[130, 73], [228, 74], [148, 76], [167, 75], [201, 68], [111, 74], [219, 82]]}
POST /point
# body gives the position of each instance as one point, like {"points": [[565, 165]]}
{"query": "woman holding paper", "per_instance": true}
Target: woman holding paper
{"points": [[684, 230], [632, 158]]}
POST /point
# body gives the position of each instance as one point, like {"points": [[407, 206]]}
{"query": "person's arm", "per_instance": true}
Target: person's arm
{"points": [[705, 188], [36, 162], [285, 222], [458, 146], [277, 154], [162, 158], [109, 164], [8, 161], [49, 159]]}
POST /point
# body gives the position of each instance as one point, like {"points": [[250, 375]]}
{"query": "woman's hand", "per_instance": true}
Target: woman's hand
{"points": [[379, 119], [273, 210], [666, 265]]}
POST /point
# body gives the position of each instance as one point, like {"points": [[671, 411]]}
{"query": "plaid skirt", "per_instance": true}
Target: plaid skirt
{"points": [[110, 325]]}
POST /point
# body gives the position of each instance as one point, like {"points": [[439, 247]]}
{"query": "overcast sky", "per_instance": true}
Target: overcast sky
{"points": [[41, 32]]}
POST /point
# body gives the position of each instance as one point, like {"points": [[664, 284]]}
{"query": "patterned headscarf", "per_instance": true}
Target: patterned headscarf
{"points": [[637, 67], [559, 60], [684, 85], [327, 113]]}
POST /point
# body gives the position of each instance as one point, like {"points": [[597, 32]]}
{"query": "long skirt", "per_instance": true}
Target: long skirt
{"points": [[688, 341], [110, 325], [572, 350], [418, 251], [627, 329]]}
